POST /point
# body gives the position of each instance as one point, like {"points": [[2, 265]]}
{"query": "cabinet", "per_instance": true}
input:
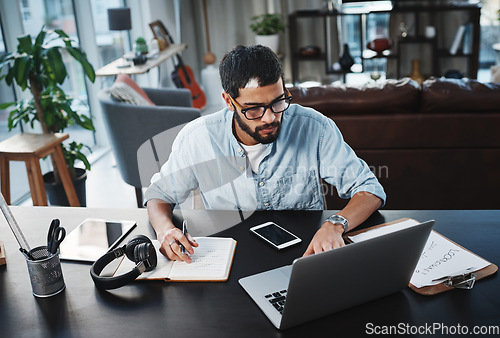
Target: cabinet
{"points": [[434, 52]]}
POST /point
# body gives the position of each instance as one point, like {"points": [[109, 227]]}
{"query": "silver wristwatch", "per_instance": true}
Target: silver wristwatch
{"points": [[337, 219]]}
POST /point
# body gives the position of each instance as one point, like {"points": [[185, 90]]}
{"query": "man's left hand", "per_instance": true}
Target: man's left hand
{"points": [[328, 237]]}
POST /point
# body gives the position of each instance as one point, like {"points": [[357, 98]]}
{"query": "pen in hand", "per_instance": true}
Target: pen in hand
{"points": [[184, 232]]}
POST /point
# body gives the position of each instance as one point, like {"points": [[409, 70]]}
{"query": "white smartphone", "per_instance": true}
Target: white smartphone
{"points": [[275, 235]]}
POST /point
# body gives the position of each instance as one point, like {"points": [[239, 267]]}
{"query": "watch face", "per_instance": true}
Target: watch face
{"points": [[337, 219]]}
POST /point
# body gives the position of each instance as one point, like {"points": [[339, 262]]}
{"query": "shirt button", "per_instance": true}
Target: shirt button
{"points": [[261, 184], [266, 204], [240, 150], [242, 168]]}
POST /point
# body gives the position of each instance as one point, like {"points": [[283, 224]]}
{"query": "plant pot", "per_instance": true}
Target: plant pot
{"points": [[56, 194], [271, 41]]}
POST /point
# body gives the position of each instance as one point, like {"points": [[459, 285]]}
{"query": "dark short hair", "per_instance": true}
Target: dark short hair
{"points": [[244, 63]]}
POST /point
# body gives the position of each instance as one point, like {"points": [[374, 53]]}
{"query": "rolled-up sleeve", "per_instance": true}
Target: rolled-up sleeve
{"points": [[342, 168], [175, 180]]}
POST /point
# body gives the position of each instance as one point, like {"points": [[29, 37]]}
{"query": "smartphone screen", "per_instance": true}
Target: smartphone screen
{"points": [[93, 238], [275, 235]]}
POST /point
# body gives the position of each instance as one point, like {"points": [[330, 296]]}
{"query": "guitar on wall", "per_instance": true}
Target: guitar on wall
{"points": [[183, 77]]}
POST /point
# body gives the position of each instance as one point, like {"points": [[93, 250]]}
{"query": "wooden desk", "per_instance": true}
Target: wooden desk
{"points": [[112, 69], [160, 309]]}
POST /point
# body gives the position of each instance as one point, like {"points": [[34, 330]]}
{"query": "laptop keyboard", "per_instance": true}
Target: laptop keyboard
{"points": [[277, 299]]}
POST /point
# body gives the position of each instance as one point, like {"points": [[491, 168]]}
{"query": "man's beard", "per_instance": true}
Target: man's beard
{"points": [[269, 138]]}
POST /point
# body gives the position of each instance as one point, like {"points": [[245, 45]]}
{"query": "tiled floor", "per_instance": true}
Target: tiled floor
{"points": [[105, 187]]}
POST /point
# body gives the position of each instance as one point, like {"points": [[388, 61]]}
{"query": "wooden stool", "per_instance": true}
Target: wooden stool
{"points": [[30, 148]]}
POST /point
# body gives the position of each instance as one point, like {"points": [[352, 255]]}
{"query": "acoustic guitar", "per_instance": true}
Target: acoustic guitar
{"points": [[183, 77]]}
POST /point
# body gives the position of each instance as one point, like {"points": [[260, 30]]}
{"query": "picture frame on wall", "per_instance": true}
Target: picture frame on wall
{"points": [[160, 34]]}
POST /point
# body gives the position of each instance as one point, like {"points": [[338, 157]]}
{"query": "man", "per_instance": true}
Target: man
{"points": [[261, 153]]}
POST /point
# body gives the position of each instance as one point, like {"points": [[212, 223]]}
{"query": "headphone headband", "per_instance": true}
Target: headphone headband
{"points": [[140, 246]]}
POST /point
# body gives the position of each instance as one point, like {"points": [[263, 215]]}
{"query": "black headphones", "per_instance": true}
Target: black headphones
{"points": [[139, 249]]}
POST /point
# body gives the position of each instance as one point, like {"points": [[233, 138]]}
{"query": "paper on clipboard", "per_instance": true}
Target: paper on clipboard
{"points": [[440, 257]]}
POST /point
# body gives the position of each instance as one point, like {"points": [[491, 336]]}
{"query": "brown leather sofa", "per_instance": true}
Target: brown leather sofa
{"points": [[434, 147]]}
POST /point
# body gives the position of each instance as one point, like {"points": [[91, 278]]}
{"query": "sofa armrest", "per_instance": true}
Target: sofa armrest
{"points": [[175, 97]]}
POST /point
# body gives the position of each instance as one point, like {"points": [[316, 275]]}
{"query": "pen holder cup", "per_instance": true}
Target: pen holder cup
{"points": [[45, 272]]}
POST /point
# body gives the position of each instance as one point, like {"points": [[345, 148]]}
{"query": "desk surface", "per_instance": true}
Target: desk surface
{"points": [[112, 69], [224, 309]]}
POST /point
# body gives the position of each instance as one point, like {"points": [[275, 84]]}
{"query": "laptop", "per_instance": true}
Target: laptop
{"points": [[348, 276]]}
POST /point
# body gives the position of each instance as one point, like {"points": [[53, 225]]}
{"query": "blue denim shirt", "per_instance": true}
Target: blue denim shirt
{"points": [[206, 155]]}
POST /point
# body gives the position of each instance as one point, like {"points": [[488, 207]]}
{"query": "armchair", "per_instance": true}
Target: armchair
{"points": [[130, 126]]}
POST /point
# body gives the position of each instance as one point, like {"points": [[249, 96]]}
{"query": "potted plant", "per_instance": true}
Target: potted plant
{"points": [[267, 28], [140, 46], [38, 66]]}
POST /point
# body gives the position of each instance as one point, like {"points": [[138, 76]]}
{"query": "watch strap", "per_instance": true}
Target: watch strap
{"points": [[338, 219]]}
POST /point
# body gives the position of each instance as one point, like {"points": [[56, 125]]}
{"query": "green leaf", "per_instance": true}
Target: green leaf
{"points": [[81, 57], [56, 64], [25, 44], [40, 38], [6, 59], [21, 69], [64, 36], [10, 76], [6, 105], [84, 159], [86, 123], [73, 152]]}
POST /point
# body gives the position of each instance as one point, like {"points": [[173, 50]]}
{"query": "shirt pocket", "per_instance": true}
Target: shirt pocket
{"points": [[299, 191]]}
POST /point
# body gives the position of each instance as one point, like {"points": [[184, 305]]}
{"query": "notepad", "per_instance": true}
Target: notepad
{"points": [[440, 257], [211, 261]]}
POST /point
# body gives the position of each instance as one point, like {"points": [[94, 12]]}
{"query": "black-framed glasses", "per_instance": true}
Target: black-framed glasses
{"points": [[277, 106]]}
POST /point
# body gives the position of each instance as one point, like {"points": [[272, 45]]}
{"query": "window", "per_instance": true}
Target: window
{"points": [[109, 43], [18, 179], [59, 14]]}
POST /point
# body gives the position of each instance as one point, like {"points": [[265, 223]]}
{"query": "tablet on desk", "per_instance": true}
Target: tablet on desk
{"points": [[93, 238]]}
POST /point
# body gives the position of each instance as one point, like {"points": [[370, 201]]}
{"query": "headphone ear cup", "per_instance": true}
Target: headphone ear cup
{"points": [[133, 243], [145, 252]]}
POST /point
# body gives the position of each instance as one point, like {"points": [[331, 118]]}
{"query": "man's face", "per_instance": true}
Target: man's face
{"points": [[262, 130]]}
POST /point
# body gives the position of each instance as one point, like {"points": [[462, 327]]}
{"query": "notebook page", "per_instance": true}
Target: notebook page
{"points": [[210, 261]]}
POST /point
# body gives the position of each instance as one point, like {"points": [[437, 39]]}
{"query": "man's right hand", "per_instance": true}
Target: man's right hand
{"points": [[171, 242], [170, 237]]}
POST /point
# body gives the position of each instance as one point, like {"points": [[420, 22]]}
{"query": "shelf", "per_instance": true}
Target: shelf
{"points": [[114, 68], [319, 57], [434, 50], [446, 53], [369, 54]]}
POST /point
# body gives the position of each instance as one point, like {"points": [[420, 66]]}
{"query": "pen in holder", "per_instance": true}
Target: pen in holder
{"points": [[45, 272]]}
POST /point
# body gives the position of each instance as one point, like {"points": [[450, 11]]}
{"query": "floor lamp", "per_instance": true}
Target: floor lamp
{"points": [[119, 20]]}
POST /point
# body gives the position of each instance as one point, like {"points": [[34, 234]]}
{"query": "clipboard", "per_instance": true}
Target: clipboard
{"points": [[464, 281]]}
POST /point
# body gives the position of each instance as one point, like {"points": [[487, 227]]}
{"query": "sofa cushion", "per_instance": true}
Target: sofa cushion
{"points": [[127, 90], [392, 96], [458, 96]]}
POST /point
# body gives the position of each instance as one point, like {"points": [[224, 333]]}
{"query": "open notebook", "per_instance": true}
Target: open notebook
{"points": [[211, 261]]}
